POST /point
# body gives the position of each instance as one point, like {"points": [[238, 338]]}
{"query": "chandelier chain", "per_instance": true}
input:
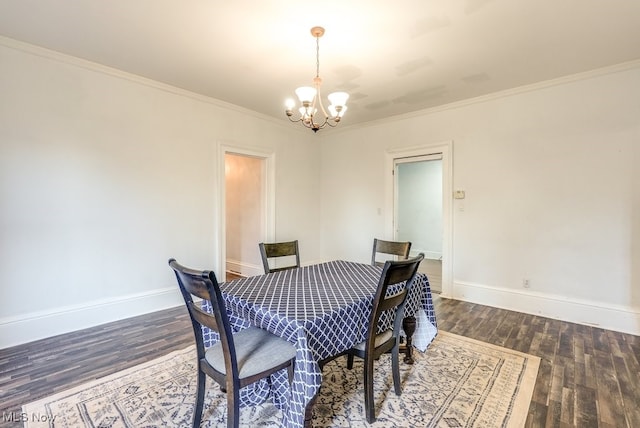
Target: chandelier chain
{"points": [[317, 56]]}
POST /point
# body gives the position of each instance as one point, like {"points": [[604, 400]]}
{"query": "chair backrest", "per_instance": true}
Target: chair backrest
{"points": [[400, 249], [394, 272], [204, 285], [277, 250]]}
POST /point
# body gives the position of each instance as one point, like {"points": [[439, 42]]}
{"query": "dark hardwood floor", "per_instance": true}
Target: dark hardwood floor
{"points": [[37, 369], [588, 377]]}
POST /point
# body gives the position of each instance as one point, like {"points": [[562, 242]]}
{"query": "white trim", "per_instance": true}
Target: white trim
{"points": [[42, 324], [431, 255], [100, 68], [244, 269], [580, 311], [269, 222], [410, 159], [446, 149], [120, 74]]}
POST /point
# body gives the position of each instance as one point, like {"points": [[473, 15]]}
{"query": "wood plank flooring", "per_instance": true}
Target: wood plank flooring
{"points": [[588, 377], [41, 368]]}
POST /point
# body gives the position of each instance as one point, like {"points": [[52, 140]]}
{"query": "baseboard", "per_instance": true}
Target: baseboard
{"points": [[431, 255], [587, 312], [41, 324], [244, 269]]}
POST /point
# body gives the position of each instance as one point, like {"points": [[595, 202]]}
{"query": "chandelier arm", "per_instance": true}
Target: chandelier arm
{"points": [[319, 97], [324, 123], [312, 109], [304, 123]]}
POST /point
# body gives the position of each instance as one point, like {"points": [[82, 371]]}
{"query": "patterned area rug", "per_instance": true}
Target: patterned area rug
{"points": [[457, 382]]}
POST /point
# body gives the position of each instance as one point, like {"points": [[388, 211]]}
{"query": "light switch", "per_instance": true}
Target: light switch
{"points": [[458, 194]]}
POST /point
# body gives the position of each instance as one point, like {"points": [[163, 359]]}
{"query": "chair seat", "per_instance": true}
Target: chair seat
{"points": [[380, 339], [257, 350]]}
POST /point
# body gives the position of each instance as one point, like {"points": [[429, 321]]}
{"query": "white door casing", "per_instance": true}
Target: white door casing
{"points": [[268, 202], [445, 149]]}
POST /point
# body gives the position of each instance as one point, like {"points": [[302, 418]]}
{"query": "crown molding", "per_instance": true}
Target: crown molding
{"points": [[99, 68], [571, 78], [114, 72]]}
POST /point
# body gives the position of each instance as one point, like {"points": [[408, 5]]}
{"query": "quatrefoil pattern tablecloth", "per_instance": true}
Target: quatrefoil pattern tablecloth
{"points": [[323, 309]]}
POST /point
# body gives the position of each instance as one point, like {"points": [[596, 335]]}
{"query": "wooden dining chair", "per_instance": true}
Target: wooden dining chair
{"points": [[400, 249], [279, 250], [238, 359], [378, 343]]}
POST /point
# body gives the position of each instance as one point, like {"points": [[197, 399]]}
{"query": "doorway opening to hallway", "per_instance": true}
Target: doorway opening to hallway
{"points": [[420, 193]]}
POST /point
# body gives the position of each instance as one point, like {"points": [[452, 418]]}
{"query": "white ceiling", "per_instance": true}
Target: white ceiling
{"points": [[393, 57]]}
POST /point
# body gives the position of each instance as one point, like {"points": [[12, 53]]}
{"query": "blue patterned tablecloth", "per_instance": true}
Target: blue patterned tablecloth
{"points": [[323, 309]]}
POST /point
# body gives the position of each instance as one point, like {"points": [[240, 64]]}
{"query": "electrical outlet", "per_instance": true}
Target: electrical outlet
{"points": [[525, 283]]}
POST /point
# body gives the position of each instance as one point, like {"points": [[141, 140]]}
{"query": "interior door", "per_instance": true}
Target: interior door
{"points": [[418, 211]]}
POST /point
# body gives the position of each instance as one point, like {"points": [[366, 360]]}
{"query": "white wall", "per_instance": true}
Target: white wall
{"points": [[105, 176], [552, 195]]}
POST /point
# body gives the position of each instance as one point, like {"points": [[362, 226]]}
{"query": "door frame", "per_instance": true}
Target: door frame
{"points": [[446, 150], [268, 199]]}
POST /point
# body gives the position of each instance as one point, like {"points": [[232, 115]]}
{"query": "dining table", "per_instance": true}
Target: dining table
{"points": [[323, 309]]}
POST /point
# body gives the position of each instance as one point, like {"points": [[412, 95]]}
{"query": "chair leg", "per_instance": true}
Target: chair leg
{"points": [[290, 371], [349, 361], [395, 368], [197, 411], [233, 408], [369, 404]]}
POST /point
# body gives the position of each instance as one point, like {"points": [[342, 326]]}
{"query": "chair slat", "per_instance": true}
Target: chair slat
{"points": [[392, 248], [276, 250], [203, 317]]}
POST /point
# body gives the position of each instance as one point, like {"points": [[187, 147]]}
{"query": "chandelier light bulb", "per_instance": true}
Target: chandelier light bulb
{"points": [[290, 104], [337, 111], [306, 94], [338, 98]]}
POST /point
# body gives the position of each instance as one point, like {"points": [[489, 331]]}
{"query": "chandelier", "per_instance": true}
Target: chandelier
{"points": [[310, 99]]}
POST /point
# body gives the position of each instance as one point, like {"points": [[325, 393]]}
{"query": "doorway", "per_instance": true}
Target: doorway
{"points": [[408, 221], [244, 185], [418, 211], [246, 197]]}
